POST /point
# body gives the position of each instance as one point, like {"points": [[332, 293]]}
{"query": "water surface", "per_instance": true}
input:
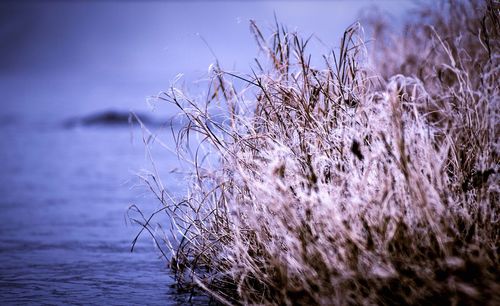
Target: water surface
{"points": [[63, 232]]}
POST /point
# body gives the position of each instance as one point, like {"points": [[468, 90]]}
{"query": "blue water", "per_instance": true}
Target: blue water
{"points": [[63, 232]]}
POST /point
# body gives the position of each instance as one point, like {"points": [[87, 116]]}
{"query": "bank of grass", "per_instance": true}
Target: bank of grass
{"points": [[372, 179]]}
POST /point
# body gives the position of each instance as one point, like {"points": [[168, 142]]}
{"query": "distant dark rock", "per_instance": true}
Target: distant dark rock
{"points": [[107, 118], [110, 118]]}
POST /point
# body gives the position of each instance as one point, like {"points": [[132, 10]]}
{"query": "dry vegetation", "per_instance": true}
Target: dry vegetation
{"points": [[370, 180]]}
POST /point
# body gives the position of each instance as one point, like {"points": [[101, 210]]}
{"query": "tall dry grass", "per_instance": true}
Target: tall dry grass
{"points": [[372, 179]]}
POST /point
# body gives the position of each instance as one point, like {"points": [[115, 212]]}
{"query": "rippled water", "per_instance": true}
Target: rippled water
{"points": [[63, 232]]}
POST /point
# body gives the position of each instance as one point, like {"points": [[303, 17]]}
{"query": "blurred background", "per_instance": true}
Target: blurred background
{"points": [[70, 72]]}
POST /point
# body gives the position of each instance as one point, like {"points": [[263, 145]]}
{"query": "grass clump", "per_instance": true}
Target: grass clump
{"points": [[372, 179]]}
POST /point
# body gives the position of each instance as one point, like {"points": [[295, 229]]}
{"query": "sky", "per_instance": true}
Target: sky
{"points": [[67, 58]]}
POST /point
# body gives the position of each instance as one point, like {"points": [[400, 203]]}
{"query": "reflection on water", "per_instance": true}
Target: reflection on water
{"points": [[63, 235]]}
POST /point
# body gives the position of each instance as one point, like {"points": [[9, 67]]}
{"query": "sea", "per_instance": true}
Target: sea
{"points": [[65, 225]]}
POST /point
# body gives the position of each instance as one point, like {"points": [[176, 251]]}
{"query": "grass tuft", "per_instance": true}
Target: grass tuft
{"points": [[372, 179]]}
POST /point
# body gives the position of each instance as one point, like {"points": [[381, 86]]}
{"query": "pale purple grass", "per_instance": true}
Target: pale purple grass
{"points": [[370, 180]]}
